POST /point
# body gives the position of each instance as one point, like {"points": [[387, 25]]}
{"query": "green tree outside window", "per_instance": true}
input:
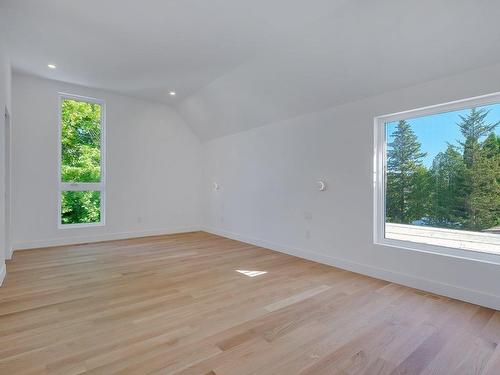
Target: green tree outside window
{"points": [[80, 160]]}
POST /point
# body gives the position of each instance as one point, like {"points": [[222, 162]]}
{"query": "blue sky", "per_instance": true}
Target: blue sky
{"points": [[436, 131]]}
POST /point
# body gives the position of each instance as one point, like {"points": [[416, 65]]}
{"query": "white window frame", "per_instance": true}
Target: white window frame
{"points": [[379, 180], [79, 186]]}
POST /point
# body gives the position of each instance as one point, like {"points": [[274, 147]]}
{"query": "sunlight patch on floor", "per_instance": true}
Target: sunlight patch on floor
{"points": [[251, 273]]}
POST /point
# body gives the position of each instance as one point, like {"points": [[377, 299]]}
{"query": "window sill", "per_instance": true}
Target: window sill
{"points": [[78, 226], [451, 248]]}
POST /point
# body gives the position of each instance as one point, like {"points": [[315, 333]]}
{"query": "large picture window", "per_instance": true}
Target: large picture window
{"points": [[82, 166], [437, 180]]}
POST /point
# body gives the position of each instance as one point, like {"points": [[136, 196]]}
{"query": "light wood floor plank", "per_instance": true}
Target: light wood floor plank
{"points": [[178, 305]]}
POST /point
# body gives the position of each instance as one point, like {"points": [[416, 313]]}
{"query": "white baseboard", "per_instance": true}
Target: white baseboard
{"points": [[432, 286], [8, 254], [3, 272], [100, 237]]}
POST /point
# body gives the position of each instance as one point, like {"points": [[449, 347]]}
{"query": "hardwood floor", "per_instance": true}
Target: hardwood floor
{"points": [[178, 305]]}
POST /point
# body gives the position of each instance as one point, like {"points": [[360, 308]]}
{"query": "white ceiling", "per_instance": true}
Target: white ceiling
{"points": [[237, 64], [146, 47]]}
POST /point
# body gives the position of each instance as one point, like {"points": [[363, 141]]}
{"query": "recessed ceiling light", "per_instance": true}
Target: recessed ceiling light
{"points": [[172, 93], [51, 66]]}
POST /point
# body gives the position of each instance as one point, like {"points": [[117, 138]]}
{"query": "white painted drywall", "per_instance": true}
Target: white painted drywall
{"points": [[267, 177], [153, 167], [352, 50], [5, 102], [268, 193]]}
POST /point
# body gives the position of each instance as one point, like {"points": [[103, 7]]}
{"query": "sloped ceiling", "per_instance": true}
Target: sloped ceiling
{"points": [[239, 64]]}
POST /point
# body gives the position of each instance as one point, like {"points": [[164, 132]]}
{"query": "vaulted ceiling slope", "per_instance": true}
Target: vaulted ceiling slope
{"points": [[238, 64]]}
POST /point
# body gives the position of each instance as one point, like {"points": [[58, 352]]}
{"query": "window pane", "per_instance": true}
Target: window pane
{"points": [[78, 207], [81, 141], [443, 179]]}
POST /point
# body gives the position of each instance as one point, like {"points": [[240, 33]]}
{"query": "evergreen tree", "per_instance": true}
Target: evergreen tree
{"points": [[480, 175], [404, 160], [448, 196], [491, 146], [485, 195], [419, 203], [474, 127]]}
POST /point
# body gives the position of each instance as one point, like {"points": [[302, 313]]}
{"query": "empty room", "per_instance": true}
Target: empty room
{"points": [[236, 187]]}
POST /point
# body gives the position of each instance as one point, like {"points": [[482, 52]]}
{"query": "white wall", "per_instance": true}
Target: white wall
{"points": [[347, 51], [5, 102], [153, 167], [267, 177], [268, 194]]}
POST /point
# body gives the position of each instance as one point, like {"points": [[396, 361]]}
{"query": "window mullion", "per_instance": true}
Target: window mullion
{"points": [[77, 186]]}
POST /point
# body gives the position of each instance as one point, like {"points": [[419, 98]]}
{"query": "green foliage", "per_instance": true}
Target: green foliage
{"points": [[81, 141], [405, 175], [460, 190], [482, 197], [418, 198], [447, 203], [473, 127], [80, 160], [79, 207], [483, 200]]}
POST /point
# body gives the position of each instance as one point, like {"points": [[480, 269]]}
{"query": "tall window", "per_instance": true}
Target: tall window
{"points": [[81, 182], [438, 177]]}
